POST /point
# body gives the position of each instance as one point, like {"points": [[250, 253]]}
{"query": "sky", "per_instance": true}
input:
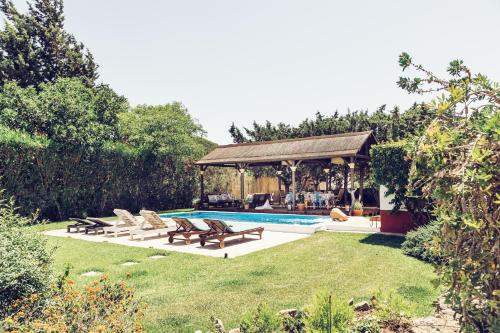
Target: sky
{"points": [[243, 61]]}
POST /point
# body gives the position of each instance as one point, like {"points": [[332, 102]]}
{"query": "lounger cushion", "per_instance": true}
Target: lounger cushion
{"points": [[233, 228], [200, 225]]}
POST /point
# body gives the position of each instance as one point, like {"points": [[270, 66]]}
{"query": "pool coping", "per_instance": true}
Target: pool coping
{"points": [[354, 224], [277, 227]]}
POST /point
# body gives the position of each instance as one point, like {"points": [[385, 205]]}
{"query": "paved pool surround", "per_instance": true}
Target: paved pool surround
{"points": [[274, 234]]}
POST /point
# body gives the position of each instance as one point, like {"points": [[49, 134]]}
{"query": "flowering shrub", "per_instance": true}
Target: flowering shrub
{"points": [[455, 164], [101, 307]]}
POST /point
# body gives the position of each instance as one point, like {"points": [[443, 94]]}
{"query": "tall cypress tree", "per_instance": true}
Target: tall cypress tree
{"points": [[35, 48]]}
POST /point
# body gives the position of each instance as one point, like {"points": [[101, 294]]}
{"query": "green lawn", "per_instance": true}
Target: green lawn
{"points": [[182, 291]]}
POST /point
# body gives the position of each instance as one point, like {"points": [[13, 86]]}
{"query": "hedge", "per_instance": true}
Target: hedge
{"points": [[63, 181], [391, 167]]}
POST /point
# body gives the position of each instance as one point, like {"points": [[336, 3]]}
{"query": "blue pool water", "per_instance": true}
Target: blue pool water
{"points": [[289, 219]]}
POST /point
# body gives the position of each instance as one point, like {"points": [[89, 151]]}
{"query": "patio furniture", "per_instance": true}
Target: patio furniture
{"points": [[375, 220], [99, 225], [186, 229], [123, 226], [80, 224], [158, 226], [221, 231], [220, 200], [128, 218], [259, 199]]}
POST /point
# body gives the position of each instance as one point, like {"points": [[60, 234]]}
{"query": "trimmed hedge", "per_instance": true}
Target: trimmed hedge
{"points": [[64, 181], [391, 168]]}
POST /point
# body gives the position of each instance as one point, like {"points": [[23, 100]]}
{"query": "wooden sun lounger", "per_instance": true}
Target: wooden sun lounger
{"points": [[158, 226], [186, 229], [99, 225], [123, 226], [221, 231], [80, 225]]}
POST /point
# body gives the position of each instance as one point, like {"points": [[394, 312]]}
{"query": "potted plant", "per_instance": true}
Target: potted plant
{"points": [[357, 208], [301, 206], [247, 202], [196, 203]]}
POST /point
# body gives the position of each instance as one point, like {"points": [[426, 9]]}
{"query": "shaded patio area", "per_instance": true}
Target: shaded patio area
{"points": [[345, 154]]}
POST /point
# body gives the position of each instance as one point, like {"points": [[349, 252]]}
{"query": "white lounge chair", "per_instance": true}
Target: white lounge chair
{"points": [[124, 225], [127, 217], [154, 220]]}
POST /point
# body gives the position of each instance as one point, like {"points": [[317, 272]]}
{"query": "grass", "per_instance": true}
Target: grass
{"points": [[183, 291]]}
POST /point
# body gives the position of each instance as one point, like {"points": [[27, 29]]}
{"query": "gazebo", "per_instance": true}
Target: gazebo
{"points": [[348, 149]]}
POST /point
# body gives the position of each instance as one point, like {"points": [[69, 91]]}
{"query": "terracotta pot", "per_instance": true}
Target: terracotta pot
{"points": [[358, 212], [301, 207], [247, 206]]}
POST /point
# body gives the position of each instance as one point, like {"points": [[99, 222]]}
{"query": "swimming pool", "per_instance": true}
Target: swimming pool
{"points": [[288, 219]]}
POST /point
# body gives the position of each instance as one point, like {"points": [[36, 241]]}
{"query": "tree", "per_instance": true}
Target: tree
{"points": [[66, 111], [387, 126], [163, 129], [455, 164], [35, 48]]}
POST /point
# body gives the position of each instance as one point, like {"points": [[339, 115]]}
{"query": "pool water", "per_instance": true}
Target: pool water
{"points": [[290, 219]]}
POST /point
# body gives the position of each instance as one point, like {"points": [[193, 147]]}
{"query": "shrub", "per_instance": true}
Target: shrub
{"points": [[295, 323], [323, 310], [390, 309], [262, 320], [419, 243], [101, 307], [367, 326], [25, 260]]}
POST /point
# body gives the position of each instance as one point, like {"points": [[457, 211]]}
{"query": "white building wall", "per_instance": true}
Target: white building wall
{"points": [[386, 199]]}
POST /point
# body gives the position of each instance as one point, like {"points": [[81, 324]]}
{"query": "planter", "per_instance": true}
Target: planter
{"points": [[357, 212], [301, 207], [247, 206]]}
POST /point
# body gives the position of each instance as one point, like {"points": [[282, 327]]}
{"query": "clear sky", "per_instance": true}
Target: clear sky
{"points": [[278, 60]]}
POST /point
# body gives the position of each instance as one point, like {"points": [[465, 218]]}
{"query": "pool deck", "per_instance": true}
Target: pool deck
{"points": [[235, 247], [274, 235]]}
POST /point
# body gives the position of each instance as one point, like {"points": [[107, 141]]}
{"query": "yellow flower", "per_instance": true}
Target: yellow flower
{"points": [[100, 328]]}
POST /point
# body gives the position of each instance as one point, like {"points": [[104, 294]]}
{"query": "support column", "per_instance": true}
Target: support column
{"points": [[328, 186], [352, 167], [294, 190], [346, 175], [278, 173], [202, 182], [242, 185], [361, 181]]}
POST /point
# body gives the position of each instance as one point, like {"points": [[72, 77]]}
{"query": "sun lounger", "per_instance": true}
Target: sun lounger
{"points": [[158, 226], [123, 226], [129, 219], [221, 231], [186, 229], [98, 225], [80, 224]]}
